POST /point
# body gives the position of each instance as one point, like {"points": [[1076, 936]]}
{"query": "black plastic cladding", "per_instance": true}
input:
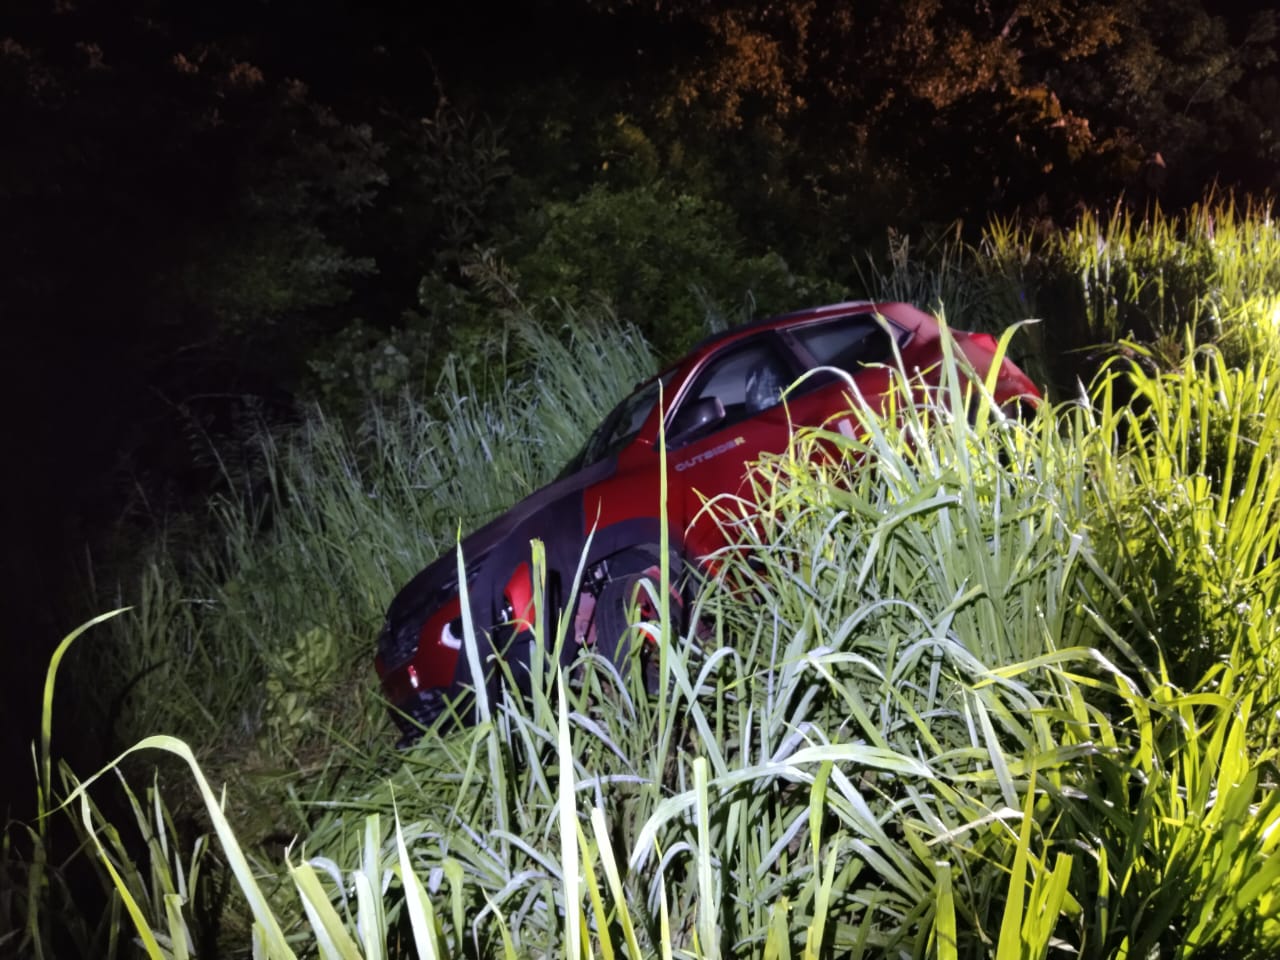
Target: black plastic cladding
{"points": [[417, 714], [398, 647]]}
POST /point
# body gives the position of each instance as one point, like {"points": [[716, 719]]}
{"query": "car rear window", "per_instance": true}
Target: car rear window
{"points": [[848, 343]]}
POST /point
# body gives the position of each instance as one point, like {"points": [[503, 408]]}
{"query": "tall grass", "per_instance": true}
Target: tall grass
{"points": [[962, 686], [266, 631], [256, 648], [919, 712], [1189, 509], [1213, 269]]}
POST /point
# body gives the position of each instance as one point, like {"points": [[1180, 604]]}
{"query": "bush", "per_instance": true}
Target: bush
{"points": [[666, 261]]}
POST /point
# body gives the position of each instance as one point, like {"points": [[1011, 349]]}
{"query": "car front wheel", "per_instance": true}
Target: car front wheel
{"points": [[628, 609]]}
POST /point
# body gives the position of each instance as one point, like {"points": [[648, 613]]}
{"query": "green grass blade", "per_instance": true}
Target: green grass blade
{"points": [[946, 942], [421, 914]]}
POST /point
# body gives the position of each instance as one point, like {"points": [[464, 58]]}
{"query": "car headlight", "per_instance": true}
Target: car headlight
{"points": [[451, 634]]}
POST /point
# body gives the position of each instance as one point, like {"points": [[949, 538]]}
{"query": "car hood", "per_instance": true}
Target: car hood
{"points": [[439, 581], [479, 544]]}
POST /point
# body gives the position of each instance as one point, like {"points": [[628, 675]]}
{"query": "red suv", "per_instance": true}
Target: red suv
{"points": [[723, 409]]}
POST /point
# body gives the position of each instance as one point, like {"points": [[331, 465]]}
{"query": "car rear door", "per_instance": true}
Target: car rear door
{"points": [[860, 345]]}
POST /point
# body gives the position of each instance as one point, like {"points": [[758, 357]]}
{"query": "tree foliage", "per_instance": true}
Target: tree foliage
{"points": [[664, 259], [1046, 102]]}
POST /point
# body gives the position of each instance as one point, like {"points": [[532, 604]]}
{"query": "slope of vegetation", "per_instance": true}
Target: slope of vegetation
{"points": [[961, 687]]}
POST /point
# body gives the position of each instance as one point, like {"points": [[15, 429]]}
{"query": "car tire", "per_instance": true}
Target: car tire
{"points": [[627, 600]]}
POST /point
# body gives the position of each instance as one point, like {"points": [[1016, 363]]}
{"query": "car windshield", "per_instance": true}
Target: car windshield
{"points": [[617, 429]]}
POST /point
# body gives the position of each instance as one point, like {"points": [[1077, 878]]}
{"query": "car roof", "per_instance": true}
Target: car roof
{"points": [[904, 315], [908, 318]]}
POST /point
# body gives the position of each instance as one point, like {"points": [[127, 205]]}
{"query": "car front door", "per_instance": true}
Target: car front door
{"points": [[732, 412]]}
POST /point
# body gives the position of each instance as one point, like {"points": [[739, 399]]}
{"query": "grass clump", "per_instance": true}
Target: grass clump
{"points": [[1187, 502], [917, 712], [1108, 277], [947, 582], [962, 685]]}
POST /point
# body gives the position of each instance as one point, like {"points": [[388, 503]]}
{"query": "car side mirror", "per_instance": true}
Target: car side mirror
{"points": [[694, 418]]}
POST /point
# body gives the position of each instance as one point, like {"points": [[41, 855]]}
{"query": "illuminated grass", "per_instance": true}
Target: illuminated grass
{"points": [[964, 686]]}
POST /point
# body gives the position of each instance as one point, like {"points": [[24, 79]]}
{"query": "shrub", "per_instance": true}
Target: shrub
{"points": [[663, 259]]}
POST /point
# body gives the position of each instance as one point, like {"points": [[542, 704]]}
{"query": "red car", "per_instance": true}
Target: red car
{"points": [[722, 410]]}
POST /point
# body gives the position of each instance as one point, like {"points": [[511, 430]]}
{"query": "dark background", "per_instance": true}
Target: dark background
{"points": [[197, 201]]}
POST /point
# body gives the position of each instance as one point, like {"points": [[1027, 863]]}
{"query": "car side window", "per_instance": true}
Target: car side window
{"points": [[848, 343], [619, 426], [744, 381]]}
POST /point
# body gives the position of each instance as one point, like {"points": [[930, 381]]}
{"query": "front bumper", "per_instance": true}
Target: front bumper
{"points": [[416, 713]]}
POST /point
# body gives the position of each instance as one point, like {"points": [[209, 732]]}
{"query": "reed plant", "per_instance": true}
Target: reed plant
{"points": [[962, 684], [918, 710], [1109, 276]]}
